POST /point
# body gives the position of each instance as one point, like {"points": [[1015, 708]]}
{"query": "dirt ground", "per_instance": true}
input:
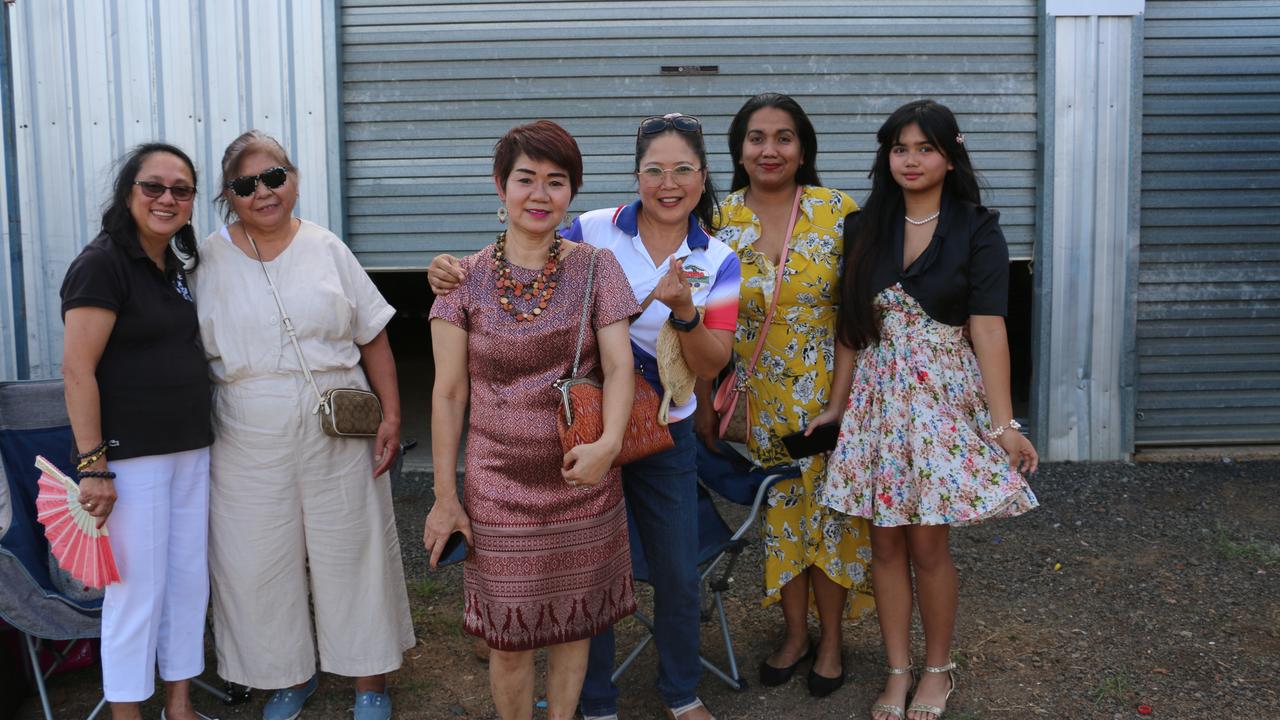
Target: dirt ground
{"points": [[1135, 587]]}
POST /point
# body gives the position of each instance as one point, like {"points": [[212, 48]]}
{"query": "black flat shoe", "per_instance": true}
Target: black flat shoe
{"points": [[771, 676], [821, 686]]}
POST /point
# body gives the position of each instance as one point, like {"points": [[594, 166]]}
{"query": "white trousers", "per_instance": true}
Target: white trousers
{"points": [[159, 532]]}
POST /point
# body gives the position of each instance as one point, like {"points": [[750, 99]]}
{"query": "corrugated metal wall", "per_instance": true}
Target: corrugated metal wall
{"points": [[1209, 294], [1087, 258], [429, 87], [8, 362], [95, 77]]}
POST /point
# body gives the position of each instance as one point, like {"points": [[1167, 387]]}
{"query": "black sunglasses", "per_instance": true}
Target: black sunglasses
{"points": [[154, 190], [659, 123], [247, 185]]}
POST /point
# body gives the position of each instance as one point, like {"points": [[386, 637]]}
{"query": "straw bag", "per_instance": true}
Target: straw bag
{"points": [[344, 412], [581, 416], [731, 403]]}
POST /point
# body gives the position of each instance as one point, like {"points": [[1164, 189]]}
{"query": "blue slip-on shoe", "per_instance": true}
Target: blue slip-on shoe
{"points": [[286, 704], [372, 705]]}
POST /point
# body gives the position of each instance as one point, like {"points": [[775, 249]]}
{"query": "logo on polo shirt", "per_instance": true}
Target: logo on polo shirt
{"points": [[696, 276]]}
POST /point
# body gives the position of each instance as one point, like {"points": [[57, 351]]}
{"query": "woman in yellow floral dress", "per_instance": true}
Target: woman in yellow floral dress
{"points": [[807, 546]]}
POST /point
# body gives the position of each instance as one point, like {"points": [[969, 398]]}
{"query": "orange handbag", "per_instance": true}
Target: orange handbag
{"points": [[580, 418]]}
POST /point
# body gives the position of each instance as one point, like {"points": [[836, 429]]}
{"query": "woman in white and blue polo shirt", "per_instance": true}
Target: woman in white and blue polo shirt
{"points": [[663, 242]]}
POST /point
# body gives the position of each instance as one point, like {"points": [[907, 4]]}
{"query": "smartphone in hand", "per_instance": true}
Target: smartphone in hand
{"points": [[455, 550], [821, 440]]}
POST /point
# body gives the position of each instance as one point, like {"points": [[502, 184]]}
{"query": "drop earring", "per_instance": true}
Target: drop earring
{"points": [[502, 214]]}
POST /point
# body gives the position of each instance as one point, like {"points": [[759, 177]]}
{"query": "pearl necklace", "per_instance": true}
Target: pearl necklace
{"points": [[922, 221]]}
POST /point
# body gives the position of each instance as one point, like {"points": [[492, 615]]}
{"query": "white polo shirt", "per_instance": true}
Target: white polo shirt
{"points": [[711, 267]]}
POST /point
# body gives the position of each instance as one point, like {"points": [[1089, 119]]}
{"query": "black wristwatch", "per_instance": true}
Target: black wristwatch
{"points": [[685, 325]]}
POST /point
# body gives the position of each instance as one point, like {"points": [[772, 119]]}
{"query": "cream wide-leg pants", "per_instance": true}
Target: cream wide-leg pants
{"points": [[155, 614], [286, 498]]}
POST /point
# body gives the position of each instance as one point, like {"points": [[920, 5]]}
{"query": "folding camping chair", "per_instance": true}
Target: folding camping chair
{"points": [[36, 597], [734, 478]]}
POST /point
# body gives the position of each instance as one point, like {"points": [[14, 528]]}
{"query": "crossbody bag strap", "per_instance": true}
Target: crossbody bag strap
{"points": [[586, 312], [777, 290], [288, 325]]}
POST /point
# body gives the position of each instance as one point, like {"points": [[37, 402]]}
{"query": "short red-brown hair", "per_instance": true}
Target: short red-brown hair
{"points": [[540, 140]]}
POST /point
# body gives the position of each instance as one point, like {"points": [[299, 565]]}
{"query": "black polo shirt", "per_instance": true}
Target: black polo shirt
{"points": [[964, 271], [153, 379]]}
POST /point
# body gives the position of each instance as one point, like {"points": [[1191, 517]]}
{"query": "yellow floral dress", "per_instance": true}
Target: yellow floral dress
{"points": [[790, 385]]}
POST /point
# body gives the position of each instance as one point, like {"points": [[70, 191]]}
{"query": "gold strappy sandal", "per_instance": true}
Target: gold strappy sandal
{"points": [[934, 710], [894, 710]]}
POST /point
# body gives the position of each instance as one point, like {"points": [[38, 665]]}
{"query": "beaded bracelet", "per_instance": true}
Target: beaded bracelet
{"points": [[104, 474], [101, 448], [84, 460], [1011, 425]]}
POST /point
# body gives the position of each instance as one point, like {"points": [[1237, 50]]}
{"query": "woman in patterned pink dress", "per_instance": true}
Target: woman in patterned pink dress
{"points": [[927, 436], [550, 564]]}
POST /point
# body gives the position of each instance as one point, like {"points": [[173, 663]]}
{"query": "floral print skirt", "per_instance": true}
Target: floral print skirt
{"points": [[914, 446]]}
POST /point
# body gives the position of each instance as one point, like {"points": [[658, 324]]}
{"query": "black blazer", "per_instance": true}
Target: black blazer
{"points": [[964, 271]]}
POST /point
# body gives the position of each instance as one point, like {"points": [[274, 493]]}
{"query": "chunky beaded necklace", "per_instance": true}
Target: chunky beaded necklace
{"points": [[539, 291]]}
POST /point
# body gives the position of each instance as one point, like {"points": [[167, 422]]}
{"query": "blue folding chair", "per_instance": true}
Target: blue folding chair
{"points": [[734, 478], [36, 597], [39, 599]]}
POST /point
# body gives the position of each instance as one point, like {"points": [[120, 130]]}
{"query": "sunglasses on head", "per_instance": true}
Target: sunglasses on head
{"points": [[154, 190], [247, 185], [678, 121]]}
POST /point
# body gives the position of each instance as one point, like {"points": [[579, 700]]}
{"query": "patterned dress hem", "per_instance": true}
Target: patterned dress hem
{"points": [[516, 634]]}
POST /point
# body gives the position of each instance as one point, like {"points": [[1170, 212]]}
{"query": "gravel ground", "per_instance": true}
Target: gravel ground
{"points": [[1150, 584]]}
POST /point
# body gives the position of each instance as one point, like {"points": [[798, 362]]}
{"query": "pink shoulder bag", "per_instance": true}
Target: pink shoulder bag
{"points": [[733, 411]]}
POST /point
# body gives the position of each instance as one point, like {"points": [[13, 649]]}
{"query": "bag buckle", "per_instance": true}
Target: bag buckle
{"points": [[563, 386]]}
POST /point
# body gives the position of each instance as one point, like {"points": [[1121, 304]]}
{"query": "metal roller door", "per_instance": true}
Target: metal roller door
{"points": [[1209, 282], [429, 87]]}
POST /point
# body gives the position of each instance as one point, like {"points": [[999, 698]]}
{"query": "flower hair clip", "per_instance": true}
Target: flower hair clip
{"points": [[960, 138]]}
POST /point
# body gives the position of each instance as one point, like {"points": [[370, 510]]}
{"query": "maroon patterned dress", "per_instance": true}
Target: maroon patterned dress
{"points": [[550, 562]]}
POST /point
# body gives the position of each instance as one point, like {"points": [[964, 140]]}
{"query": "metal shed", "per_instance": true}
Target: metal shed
{"points": [[1133, 148], [429, 87], [1208, 322]]}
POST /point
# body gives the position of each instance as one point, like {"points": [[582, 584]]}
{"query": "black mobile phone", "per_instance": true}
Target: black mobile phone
{"points": [[823, 439], [455, 550]]}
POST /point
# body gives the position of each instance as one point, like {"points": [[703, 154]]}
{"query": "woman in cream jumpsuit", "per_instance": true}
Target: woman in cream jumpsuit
{"points": [[286, 498]]}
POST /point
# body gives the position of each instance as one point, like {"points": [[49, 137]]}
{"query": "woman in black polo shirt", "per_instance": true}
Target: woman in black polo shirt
{"points": [[927, 436], [138, 395]]}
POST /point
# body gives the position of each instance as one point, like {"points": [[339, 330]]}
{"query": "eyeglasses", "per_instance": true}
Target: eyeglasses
{"points": [[247, 185], [681, 174], [659, 123], [154, 190]]}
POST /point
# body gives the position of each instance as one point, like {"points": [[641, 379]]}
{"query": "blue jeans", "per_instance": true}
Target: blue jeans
{"points": [[662, 495]]}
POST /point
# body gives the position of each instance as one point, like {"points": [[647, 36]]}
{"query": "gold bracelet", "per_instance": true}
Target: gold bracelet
{"points": [[91, 459]]}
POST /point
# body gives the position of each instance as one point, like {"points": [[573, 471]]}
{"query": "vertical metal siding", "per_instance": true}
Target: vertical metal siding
{"points": [[8, 355], [1209, 294], [1090, 235], [429, 87], [96, 77]]}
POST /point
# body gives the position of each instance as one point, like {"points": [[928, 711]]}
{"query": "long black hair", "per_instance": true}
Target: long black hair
{"points": [[117, 220], [705, 211], [858, 326], [807, 174]]}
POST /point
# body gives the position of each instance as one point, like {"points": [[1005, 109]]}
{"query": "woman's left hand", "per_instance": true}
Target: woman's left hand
{"points": [[386, 445], [674, 290], [588, 464], [1022, 454]]}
